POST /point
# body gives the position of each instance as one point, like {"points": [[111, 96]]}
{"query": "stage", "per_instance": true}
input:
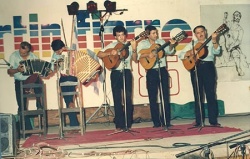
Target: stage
{"points": [[146, 142]]}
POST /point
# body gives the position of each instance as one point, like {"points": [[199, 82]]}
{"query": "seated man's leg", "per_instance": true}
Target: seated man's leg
{"points": [[69, 99], [28, 125], [35, 78]]}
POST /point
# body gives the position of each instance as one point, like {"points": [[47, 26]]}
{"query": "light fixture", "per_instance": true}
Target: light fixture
{"points": [[92, 7], [110, 6], [73, 8]]}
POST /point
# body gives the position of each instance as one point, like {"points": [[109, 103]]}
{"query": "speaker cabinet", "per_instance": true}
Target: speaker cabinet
{"points": [[8, 135]]}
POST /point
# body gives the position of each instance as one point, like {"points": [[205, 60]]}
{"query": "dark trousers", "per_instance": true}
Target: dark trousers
{"points": [[153, 83], [68, 99], [28, 125], [117, 90], [206, 74]]}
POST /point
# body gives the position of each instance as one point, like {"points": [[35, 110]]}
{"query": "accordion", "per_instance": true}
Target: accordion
{"points": [[36, 66], [81, 65]]}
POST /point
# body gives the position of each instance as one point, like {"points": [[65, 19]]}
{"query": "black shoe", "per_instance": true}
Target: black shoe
{"points": [[156, 126], [169, 125], [215, 125]]}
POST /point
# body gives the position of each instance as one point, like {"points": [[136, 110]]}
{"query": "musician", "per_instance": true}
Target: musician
{"points": [[15, 70], [58, 47], [120, 34], [152, 77], [206, 76]]}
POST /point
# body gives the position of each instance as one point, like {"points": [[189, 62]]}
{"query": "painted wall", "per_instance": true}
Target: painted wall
{"points": [[39, 22]]}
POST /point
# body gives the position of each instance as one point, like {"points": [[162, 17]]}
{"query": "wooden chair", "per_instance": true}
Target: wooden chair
{"points": [[78, 101], [40, 114]]}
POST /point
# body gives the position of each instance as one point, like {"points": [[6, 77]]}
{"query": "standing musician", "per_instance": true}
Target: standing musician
{"points": [[152, 77], [15, 69], [58, 47], [206, 76], [120, 34]]}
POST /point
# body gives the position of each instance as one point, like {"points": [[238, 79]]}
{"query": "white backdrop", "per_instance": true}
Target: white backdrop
{"points": [[234, 94]]}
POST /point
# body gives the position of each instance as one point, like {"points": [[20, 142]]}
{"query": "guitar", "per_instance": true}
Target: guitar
{"points": [[147, 62], [190, 61], [113, 61]]}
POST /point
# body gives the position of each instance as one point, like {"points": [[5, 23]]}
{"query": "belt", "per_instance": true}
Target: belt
{"points": [[157, 68], [120, 70], [205, 62]]}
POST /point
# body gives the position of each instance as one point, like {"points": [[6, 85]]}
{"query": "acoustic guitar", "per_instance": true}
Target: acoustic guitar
{"points": [[147, 62], [191, 60], [113, 61]]}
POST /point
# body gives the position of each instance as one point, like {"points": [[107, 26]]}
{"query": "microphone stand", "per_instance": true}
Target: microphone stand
{"points": [[240, 145], [125, 104], [165, 127], [197, 93], [105, 103], [211, 144]]}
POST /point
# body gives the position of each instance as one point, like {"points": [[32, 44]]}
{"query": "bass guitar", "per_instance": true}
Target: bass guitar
{"points": [[147, 62], [191, 59], [113, 61]]}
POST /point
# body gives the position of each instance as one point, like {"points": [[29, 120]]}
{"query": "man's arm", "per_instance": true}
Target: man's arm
{"points": [[12, 71], [134, 51]]}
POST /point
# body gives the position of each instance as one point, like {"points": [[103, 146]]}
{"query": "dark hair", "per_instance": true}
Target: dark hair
{"points": [[25, 44], [118, 29], [150, 28], [237, 12], [57, 44], [199, 26]]}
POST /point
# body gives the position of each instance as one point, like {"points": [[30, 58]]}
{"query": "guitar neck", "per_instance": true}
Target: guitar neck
{"points": [[163, 46], [205, 43], [125, 46], [128, 44]]}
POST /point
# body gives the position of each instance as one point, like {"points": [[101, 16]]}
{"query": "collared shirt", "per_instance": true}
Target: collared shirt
{"points": [[211, 51], [145, 44], [14, 61], [127, 61], [54, 59]]}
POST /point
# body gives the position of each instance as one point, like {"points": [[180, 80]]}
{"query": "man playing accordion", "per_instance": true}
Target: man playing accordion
{"points": [[16, 70]]}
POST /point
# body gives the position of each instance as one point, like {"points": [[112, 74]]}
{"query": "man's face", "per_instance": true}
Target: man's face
{"points": [[236, 17], [120, 37], [153, 35], [200, 34], [59, 52], [24, 51]]}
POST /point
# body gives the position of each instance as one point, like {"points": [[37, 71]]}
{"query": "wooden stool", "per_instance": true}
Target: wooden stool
{"points": [[40, 113]]}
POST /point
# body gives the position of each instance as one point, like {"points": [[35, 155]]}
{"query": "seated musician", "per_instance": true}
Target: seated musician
{"points": [[15, 69], [58, 47]]}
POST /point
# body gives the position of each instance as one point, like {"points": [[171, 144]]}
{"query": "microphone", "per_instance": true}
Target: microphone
{"points": [[239, 143]]}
